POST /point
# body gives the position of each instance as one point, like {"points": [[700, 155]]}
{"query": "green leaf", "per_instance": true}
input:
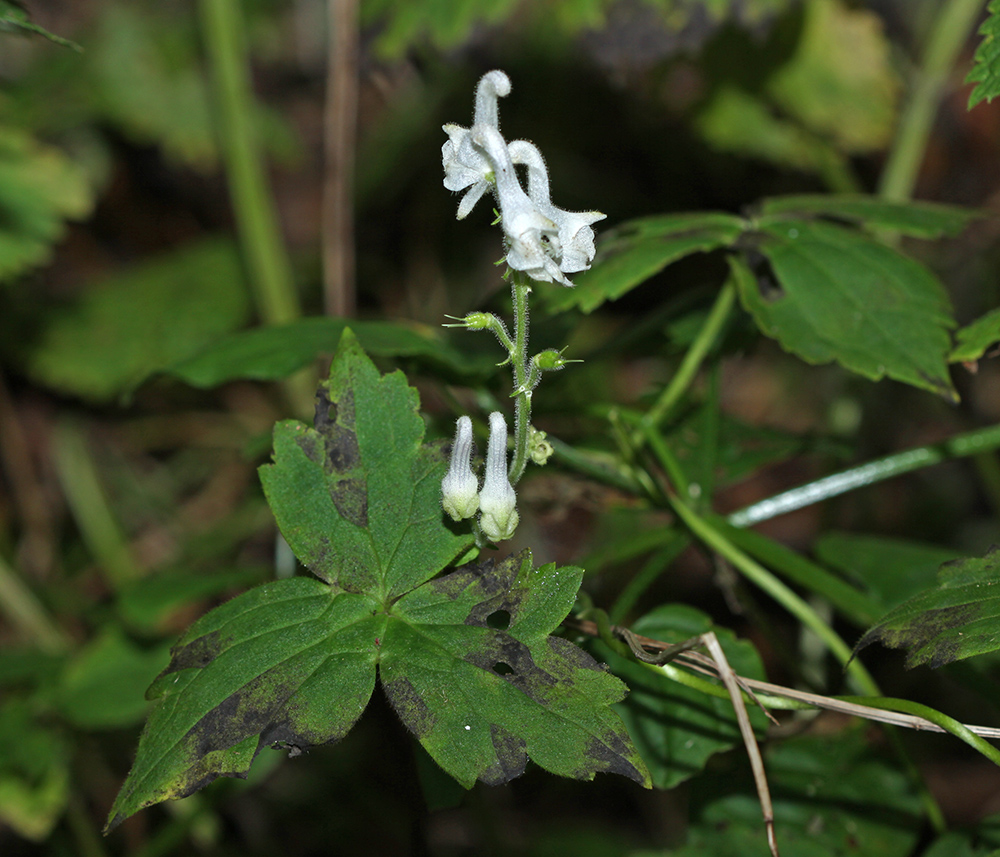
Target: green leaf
{"points": [[833, 797], [102, 688], [958, 618], [13, 18], [975, 339], [838, 295], [986, 70], [34, 772], [273, 353], [678, 729], [149, 603], [465, 658], [142, 319], [891, 570], [918, 219], [631, 253], [841, 82], [290, 663], [40, 188], [469, 667], [358, 498]]}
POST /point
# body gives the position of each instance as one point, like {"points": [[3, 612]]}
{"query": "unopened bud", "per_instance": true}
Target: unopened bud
{"points": [[498, 515], [460, 488]]}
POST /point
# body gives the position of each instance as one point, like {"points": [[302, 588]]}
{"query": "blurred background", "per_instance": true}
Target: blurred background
{"points": [[129, 502]]}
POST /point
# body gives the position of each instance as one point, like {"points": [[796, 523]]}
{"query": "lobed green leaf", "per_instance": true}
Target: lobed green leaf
{"points": [[917, 219], [465, 657], [273, 353], [631, 253], [956, 619], [829, 293], [986, 69]]}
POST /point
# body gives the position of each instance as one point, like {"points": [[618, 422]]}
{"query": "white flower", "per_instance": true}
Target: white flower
{"points": [[532, 238], [464, 164], [576, 237], [460, 488], [497, 500]]}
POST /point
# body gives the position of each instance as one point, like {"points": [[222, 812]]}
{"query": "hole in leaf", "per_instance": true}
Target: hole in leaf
{"points": [[499, 620], [500, 668]]}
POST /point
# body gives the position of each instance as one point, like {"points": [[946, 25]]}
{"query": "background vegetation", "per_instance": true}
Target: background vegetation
{"points": [[182, 172]]}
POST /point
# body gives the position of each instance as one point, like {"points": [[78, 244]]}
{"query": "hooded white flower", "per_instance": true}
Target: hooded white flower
{"points": [[576, 237], [532, 238], [497, 500], [460, 488], [465, 166]]}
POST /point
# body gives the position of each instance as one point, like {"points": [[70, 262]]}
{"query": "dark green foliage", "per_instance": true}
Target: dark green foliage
{"points": [[986, 71], [465, 658], [956, 619]]}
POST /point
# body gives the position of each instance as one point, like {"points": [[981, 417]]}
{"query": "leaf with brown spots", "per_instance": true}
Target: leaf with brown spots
{"points": [[468, 664], [358, 497], [465, 658], [958, 618]]}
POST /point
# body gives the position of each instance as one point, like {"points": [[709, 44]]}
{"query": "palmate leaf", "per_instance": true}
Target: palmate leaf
{"points": [[958, 618], [465, 657]]}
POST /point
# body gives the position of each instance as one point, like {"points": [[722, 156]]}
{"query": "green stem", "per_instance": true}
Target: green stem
{"points": [[90, 507], [253, 206], [25, 612], [969, 443], [692, 361], [781, 593], [948, 35], [519, 361]]}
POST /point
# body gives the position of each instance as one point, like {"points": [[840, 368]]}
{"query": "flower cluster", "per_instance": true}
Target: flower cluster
{"points": [[460, 492], [543, 241]]}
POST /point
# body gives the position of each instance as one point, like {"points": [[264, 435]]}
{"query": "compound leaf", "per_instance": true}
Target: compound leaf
{"points": [[958, 618], [465, 658]]}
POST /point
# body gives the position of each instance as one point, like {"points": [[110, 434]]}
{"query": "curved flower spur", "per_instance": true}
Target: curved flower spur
{"points": [[543, 243]]}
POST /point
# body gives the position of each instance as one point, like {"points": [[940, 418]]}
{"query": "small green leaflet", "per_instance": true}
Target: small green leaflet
{"points": [[465, 658], [973, 341], [13, 18], [986, 70], [828, 293], [958, 618]]}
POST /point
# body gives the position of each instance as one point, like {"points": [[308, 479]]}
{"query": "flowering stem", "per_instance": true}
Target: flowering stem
{"points": [[522, 391]]}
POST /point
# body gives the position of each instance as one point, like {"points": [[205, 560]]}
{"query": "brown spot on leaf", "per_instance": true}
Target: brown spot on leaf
{"points": [[410, 706], [511, 757], [197, 654], [610, 754]]}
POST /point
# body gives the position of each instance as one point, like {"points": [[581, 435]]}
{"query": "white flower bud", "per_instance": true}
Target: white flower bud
{"points": [[497, 500], [459, 488]]}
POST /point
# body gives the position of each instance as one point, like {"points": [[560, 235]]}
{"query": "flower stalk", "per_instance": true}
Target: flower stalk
{"points": [[543, 243]]}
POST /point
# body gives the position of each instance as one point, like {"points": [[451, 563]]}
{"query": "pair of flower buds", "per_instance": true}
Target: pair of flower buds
{"points": [[543, 241], [461, 495]]}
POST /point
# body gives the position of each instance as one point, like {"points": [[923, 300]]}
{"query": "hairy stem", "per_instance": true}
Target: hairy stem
{"points": [[519, 363]]}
